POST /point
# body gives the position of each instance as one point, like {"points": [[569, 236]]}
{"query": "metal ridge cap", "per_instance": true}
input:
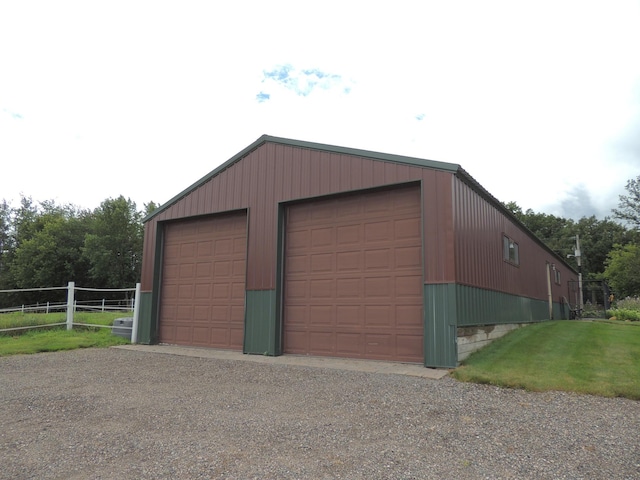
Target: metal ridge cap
{"points": [[388, 157]]}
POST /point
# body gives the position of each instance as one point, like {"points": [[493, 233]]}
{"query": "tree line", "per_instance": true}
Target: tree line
{"points": [[45, 244], [610, 249]]}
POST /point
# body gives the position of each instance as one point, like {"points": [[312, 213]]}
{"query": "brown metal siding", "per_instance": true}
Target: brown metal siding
{"points": [[275, 173], [438, 227], [479, 230], [353, 276]]}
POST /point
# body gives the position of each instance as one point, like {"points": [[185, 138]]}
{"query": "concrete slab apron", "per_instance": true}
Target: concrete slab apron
{"points": [[370, 366]]}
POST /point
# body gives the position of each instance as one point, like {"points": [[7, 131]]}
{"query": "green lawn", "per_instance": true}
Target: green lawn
{"points": [[18, 319], [599, 358], [56, 338]]}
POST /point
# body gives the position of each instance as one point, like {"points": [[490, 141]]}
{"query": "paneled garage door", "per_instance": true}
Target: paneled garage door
{"points": [[203, 282], [353, 276]]}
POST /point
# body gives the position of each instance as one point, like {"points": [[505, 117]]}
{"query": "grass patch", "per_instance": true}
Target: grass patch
{"points": [[58, 339], [18, 319], [598, 358]]}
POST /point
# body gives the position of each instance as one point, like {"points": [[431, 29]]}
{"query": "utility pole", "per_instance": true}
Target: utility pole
{"points": [[578, 256]]}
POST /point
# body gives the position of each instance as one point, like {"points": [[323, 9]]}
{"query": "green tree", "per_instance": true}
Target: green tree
{"points": [[629, 206], [555, 232], [623, 270], [114, 247], [597, 238], [6, 240], [52, 256]]}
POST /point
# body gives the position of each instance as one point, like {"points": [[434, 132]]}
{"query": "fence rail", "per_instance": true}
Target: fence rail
{"points": [[71, 306]]}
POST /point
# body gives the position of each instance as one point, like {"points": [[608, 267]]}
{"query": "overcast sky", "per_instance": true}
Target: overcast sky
{"points": [[538, 100]]}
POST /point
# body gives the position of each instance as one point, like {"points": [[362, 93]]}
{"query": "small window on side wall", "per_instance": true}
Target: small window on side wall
{"points": [[510, 251]]}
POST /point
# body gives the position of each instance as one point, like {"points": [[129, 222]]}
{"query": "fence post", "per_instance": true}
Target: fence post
{"points": [[136, 312], [103, 305], [70, 304]]}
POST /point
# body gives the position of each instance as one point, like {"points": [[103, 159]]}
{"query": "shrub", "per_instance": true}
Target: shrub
{"points": [[624, 314], [629, 303]]}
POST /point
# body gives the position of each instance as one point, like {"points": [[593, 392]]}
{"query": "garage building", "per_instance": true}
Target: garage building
{"points": [[303, 248]]}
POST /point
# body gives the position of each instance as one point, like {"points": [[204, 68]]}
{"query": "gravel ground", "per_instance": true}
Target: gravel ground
{"points": [[110, 413]]}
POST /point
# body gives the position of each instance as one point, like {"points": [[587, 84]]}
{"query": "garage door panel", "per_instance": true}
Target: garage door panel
{"points": [[375, 232], [348, 288], [321, 288], [237, 318], [351, 273], [348, 344], [203, 282], [379, 345], [409, 316], [239, 268], [349, 261], [349, 315], [406, 229], [321, 315], [348, 235], [322, 342], [183, 334], [408, 286], [322, 237], [219, 313], [297, 341], [296, 315], [201, 313], [409, 348], [378, 259], [378, 315], [202, 292], [205, 249], [188, 250], [407, 257], [377, 288]]}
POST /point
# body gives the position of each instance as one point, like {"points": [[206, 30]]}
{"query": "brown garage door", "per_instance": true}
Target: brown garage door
{"points": [[203, 282], [353, 276]]}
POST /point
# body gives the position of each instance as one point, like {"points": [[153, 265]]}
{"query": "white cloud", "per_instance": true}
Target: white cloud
{"points": [[533, 99]]}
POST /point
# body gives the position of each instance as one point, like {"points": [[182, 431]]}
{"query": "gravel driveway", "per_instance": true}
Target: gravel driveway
{"points": [[113, 413]]}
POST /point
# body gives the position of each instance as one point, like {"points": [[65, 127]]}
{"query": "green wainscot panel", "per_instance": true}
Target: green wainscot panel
{"points": [[261, 328], [440, 326], [145, 321], [477, 306]]}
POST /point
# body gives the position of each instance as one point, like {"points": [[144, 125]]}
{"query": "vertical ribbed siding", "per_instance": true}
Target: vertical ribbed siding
{"points": [[479, 228], [145, 316], [261, 335], [148, 259], [477, 306], [440, 326], [439, 255], [275, 173]]}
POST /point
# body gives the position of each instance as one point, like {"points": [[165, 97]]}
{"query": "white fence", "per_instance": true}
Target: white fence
{"points": [[71, 306]]}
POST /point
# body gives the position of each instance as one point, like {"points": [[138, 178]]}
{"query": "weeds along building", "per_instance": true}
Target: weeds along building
{"points": [[304, 248]]}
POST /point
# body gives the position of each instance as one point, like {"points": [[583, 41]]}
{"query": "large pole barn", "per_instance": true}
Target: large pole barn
{"points": [[294, 247]]}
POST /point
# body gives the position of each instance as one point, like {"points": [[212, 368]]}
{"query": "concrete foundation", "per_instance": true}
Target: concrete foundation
{"points": [[471, 339]]}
